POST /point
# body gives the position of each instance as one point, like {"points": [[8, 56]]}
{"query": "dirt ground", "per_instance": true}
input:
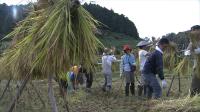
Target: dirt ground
{"points": [[94, 101]]}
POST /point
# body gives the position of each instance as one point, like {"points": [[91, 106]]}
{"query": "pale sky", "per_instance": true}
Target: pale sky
{"points": [[151, 17]]}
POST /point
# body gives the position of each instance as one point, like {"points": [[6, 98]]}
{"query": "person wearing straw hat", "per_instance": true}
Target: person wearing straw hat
{"points": [[143, 54], [154, 66], [107, 59], [127, 69]]}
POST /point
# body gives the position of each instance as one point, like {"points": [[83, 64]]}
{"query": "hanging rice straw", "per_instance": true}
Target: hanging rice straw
{"points": [[169, 57], [184, 67], [51, 39]]}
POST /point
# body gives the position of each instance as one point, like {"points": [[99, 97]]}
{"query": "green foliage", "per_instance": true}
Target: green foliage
{"points": [[117, 40]]}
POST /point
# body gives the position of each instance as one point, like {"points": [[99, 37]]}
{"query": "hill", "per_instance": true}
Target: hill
{"points": [[110, 39], [113, 21]]}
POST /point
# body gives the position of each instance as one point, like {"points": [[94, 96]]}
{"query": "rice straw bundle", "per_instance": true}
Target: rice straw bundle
{"points": [[169, 57], [184, 67], [152, 47], [137, 72], [48, 41], [153, 44]]}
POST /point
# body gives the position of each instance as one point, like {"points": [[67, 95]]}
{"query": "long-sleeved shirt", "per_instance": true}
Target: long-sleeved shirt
{"points": [[142, 58], [126, 60], [154, 64], [107, 63]]}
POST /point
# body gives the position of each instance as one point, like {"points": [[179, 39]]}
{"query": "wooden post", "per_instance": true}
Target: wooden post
{"points": [[51, 95], [19, 92], [179, 83], [4, 91], [64, 97], [170, 85]]}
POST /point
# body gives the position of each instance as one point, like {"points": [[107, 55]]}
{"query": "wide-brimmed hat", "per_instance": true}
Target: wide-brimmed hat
{"points": [[143, 43]]}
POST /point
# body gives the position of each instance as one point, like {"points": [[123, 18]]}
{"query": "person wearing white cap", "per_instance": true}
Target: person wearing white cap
{"points": [[107, 59], [143, 54]]}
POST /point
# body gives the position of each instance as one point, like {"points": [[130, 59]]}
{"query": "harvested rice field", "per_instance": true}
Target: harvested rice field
{"points": [[97, 100]]}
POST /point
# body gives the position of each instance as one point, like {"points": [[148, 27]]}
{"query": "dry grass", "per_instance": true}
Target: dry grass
{"points": [[184, 67], [186, 104], [98, 101]]}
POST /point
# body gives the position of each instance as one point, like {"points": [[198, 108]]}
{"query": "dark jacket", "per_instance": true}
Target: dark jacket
{"points": [[154, 64]]}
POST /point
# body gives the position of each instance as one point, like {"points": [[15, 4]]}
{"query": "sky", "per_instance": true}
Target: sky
{"points": [[151, 17]]}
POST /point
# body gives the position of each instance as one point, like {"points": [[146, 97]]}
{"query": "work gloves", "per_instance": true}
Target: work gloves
{"points": [[188, 52], [197, 51], [164, 84]]}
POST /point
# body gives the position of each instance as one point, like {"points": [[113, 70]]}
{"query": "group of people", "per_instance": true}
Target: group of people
{"points": [[77, 75], [151, 64]]}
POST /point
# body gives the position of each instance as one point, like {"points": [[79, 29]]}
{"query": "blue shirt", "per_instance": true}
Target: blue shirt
{"points": [[126, 60]]}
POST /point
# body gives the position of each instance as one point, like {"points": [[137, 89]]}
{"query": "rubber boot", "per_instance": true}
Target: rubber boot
{"points": [[108, 88], [104, 88], [140, 89], [132, 88], [127, 89]]}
